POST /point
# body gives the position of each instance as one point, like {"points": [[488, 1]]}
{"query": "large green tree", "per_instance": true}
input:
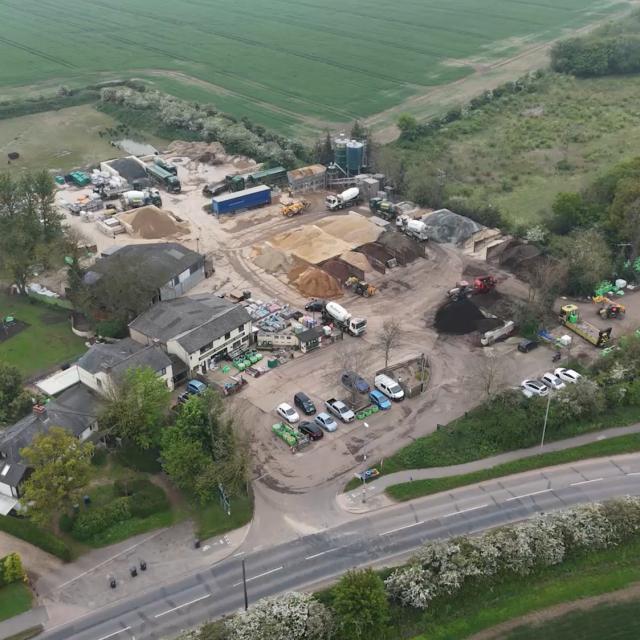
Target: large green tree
{"points": [[137, 407], [15, 401], [360, 605], [61, 469], [29, 223]]}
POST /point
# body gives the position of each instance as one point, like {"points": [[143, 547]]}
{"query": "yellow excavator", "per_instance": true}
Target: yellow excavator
{"points": [[294, 208], [609, 308], [360, 287]]}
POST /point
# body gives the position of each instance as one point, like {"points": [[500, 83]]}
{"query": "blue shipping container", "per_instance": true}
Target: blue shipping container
{"points": [[240, 200]]}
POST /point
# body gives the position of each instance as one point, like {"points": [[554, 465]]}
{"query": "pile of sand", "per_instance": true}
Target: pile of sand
{"points": [[316, 283], [151, 223], [201, 151], [358, 260], [310, 243], [353, 228], [270, 259]]}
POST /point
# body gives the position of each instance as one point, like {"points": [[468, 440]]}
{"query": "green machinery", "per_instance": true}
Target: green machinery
{"points": [[287, 434], [384, 208]]}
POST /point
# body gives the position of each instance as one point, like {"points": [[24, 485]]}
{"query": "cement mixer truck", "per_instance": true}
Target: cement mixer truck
{"points": [[414, 228], [348, 198], [335, 314]]}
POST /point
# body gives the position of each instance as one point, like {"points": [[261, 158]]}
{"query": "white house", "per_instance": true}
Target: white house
{"points": [[199, 330]]}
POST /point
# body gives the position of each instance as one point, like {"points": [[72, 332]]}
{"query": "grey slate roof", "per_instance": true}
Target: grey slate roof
{"points": [[159, 262], [122, 355], [14, 474], [310, 334], [193, 321], [75, 409]]}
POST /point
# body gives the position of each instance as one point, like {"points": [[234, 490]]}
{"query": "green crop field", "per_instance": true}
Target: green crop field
{"points": [[284, 63]]}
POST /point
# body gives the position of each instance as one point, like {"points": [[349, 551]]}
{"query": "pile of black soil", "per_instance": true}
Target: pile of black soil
{"points": [[462, 317]]}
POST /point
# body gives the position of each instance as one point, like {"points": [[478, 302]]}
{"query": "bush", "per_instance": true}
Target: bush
{"points": [[66, 522], [99, 458], [130, 484], [29, 532], [150, 500], [97, 520], [145, 460], [112, 329]]}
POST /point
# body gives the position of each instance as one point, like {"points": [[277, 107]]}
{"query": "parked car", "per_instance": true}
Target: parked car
{"points": [[389, 387], [304, 403], [287, 412], [533, 388], [527, 345], [351, 380], [325, 421], [195, 387], [379, 399], [567, 375], [315, 306], [552, 381], [339, 410], [310, 429]]}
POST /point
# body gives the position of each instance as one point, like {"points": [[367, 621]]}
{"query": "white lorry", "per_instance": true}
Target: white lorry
{"points": [[339, 316], [347, 198], [413, 228]]}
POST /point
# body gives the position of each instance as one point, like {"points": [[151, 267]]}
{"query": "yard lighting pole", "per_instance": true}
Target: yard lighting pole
{"points": [[244, 586], [546, 417], [364, 473]]}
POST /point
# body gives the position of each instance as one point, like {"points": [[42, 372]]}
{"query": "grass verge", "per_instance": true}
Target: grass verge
{"points": [[418, 488], [120, 531], [14, 599], [211, 519]]}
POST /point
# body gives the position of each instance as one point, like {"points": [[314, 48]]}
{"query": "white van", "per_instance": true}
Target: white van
{"points": [[389, 387]]}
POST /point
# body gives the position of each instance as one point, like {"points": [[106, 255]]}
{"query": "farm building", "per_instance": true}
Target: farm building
{"points": [[168, 266], [312, 178]]}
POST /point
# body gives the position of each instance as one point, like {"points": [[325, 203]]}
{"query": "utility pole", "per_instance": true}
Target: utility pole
{"points": [[244, 586], [546, 417]]}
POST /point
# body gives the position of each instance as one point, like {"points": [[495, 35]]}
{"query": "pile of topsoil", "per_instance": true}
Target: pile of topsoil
{"points": [[316, 283], [462, 317]]}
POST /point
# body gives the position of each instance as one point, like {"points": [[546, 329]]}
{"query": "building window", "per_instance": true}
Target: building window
{"points": [[206, 348], [99, 382], [176, 280], [163, 371], [227, 335]]}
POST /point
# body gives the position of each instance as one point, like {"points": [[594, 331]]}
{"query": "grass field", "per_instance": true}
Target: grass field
{"points": [[46, 342], [611, 621], [14, 599], [316, 63], [520, 151], [57, 140]]}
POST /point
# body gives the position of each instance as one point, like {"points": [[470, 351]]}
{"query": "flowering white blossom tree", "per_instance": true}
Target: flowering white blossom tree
{"points": [[294, 616]]}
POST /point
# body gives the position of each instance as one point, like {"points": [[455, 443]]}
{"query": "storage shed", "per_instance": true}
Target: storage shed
{"points": [[312, 178]]}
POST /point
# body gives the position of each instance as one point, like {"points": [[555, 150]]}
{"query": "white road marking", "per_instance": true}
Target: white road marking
{"points": [[634, 473], [528, 495], [455, 513], [240, 553], [115, 633], [577, 484], [186, 604], [406, 526], [317, 555], [260, 575]]}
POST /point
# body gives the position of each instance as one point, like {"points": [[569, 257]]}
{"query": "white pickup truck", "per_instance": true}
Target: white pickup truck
{"points": [[340, 410]]}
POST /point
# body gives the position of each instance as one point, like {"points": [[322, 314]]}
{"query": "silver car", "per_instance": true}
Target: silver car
{"points": [[326, 421], [532, 388]]}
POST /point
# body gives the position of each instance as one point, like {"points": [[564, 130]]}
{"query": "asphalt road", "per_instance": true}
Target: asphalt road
{"points": [[376, 538]]}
